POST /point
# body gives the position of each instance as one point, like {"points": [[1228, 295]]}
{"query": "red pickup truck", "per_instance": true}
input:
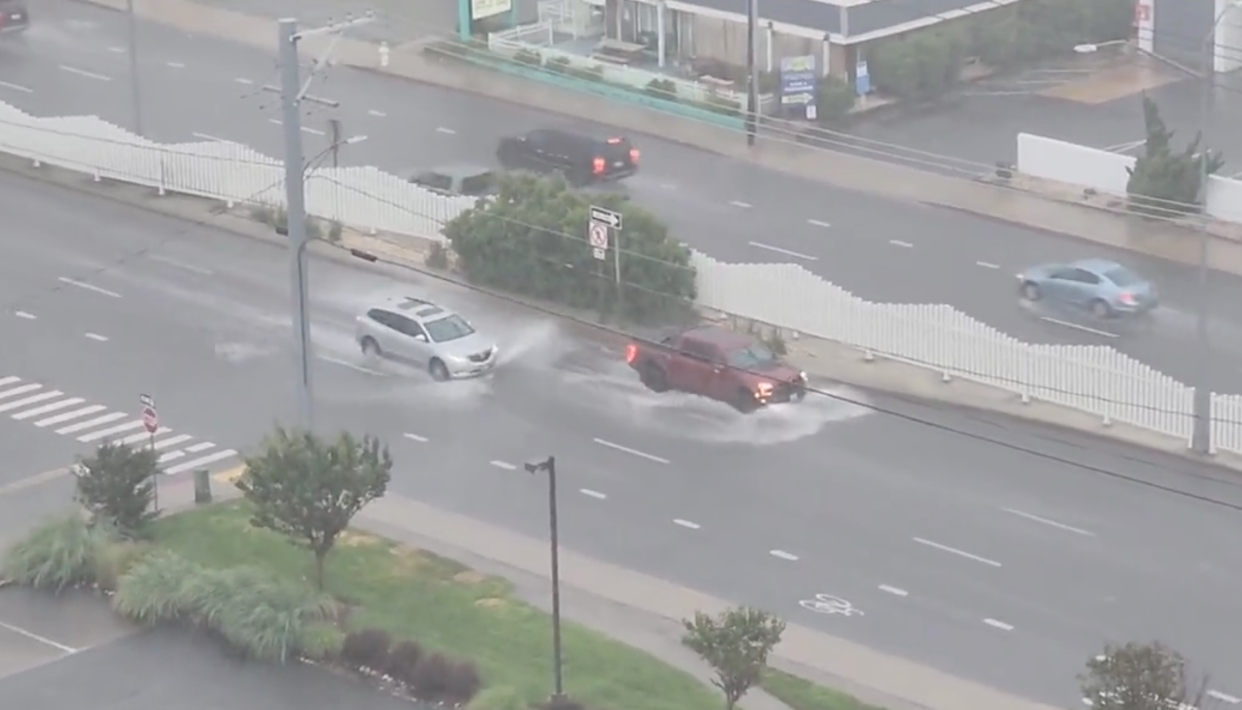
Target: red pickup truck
{"points": [[721, 364]]}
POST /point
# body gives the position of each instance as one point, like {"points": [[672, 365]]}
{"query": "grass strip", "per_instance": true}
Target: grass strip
{"points": [[800, 694]]}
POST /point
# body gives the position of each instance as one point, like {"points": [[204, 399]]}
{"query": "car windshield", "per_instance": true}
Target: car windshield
{"points": [[1122, 277], [450, 328], [751, 357]]}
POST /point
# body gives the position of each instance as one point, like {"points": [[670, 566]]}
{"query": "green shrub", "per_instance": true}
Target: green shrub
{"points": [[921, 66], [367, 649], [438, 256], [661, 89], [114, 560], [593, 72], [834, 99], [528, 57], [532, 240], [558, 65], [260, 615], [58, 554], [499, 698], [117, 484], [403, 659]]}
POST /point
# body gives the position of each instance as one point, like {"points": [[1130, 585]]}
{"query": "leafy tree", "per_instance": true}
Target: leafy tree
{"points": [[117, 485], [833, 100], [531, 239], [736, 645], [1140, 676], [1165, 183], [920, 66], [308, 489]]}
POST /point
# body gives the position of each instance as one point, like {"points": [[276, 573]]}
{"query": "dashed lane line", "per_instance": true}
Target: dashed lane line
{"points": [[632, 452]]}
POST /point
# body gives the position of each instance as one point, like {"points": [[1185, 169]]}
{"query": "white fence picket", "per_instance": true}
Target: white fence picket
{"points": [[1094, 379]]}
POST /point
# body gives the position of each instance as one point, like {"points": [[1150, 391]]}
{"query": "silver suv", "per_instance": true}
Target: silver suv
{"points": [[423, 334]]}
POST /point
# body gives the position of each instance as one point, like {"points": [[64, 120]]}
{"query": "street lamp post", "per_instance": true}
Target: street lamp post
{"points": [[548, 466], [1201, 434]]}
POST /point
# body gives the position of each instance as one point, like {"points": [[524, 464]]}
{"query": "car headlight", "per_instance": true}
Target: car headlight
{"points": [[802, 375], [764, 388]]}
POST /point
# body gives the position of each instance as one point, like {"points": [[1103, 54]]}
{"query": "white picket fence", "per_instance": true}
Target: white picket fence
{"points": [[1093, 379]]}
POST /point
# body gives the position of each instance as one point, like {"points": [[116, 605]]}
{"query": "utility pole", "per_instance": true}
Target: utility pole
{"points": [[548, 466], [752, 81], [135, 90], [334, 126], [292, 93]]}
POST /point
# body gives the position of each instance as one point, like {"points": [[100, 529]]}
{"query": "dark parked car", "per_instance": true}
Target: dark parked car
{"points": [[580, 158], [14, 17]]}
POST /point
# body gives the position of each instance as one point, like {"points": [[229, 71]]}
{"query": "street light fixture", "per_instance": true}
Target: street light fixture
{"points": [[548, 466]]}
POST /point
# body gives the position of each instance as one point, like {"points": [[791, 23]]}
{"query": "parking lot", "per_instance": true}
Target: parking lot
{"points": [[38, 629]]}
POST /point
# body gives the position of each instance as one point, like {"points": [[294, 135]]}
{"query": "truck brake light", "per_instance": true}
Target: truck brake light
{"points": [[634, 156], [597, 166], [631, 353]]}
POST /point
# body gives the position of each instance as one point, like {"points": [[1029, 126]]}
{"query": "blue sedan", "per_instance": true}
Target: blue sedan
{"points": [[1105, 289]]}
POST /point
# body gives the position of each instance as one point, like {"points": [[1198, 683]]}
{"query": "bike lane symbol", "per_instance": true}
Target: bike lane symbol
{"points": [[828, 604]]}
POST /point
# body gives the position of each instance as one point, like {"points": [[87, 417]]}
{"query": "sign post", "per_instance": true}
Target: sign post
{"points": [[151, 422], [603, 220]]}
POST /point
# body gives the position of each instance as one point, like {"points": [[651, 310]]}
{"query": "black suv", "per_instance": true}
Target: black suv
{"points": [[14, 18], [581, 159]]}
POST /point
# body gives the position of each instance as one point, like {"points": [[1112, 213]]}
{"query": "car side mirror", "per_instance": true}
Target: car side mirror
{"points": [[420, 338]]}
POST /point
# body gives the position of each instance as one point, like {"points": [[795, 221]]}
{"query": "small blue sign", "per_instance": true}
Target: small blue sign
{"points": [[862, 78], [798, 80]]}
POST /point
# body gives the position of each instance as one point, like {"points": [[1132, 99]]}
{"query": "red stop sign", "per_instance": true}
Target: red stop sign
{"points": [[150, 420]]}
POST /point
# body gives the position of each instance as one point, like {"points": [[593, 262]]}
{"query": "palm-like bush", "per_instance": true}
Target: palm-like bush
{"points": [[259, 614], [60, 553]]}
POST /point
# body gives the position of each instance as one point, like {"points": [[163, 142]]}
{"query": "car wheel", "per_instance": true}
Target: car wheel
{"points": [[1030, 291], [653, 377], [1100, 309], [799, 393], [744, 401], [370, 348], [438, 371]]}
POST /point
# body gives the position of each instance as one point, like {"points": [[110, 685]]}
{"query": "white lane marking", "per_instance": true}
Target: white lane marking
{"points": [[448, 131], [818, 223], [998, 624], [17, 87], [36, 637], [274, 121], [352, 366], [88, 287], [987, 265], [69, 416], [416, 437], [181, 264], [685, 524], [739, 203], [786, 252], [117, 50], [899, 243], [200, 462], [170, 441], [105, 433], [594, 494], [209, 137], [143, 437], [97, 337], [47, 408], [20, 390], [503, 464], [628, 450], [1124, 147], [24, 314], [783, 555], [170, 456], [83, 72], [312, 131], [105, 419], [1075, 326], [894, 590], [955, 551], [34, 399], [1223, 697], [1051, 523], [199, 447], [244, 81], [377, 114], [9, 380], [175, 65]]}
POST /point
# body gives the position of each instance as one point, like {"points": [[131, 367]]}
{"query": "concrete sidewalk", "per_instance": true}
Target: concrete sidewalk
{"points": [[644, 611]]}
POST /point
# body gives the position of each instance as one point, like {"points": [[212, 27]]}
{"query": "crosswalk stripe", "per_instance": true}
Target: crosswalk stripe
{"points": [[171, 441], [41, 397], [9, 380], [20, 390], [170, 456], [203, 446], [80, 426], [32, 413], [103, 433], [195, 464], [67, 416], [143, 436]]}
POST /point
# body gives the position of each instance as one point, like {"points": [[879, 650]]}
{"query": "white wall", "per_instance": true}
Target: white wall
{"points": [[1079, 165]]}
